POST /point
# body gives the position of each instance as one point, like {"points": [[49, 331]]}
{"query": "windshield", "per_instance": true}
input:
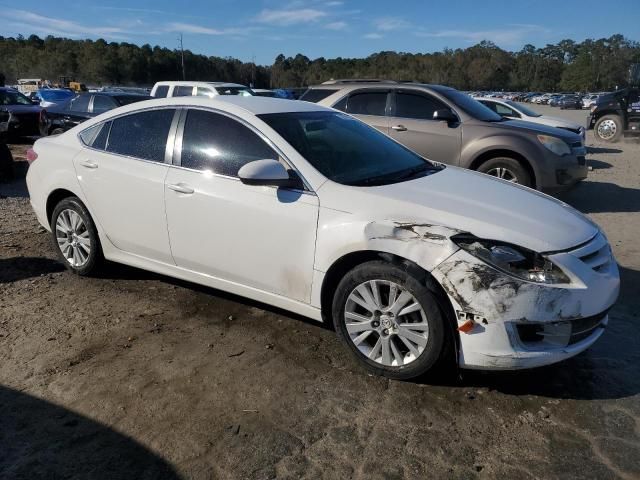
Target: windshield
{"points": [[55, 95], [470, 106], [527, 111], [8, 97], [242, 91], [346, 150]]}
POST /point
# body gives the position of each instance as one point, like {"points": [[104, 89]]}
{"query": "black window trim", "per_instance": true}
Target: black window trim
{"points": [[420, 93], [179, 135], [387, 109], [170, 137]]}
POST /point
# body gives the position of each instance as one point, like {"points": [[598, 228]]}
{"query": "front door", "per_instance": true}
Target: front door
{"points": [[122, 176], [412, 125], [256, 236]]}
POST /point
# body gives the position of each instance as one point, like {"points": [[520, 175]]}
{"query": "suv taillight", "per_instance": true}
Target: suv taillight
{"points": [[31, 156]]}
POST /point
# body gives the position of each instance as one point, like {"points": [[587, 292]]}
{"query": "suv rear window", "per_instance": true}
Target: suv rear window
{"points": [[314, 95]]}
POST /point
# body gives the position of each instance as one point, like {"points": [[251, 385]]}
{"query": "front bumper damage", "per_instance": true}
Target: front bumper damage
{"points": [[515, 324]]}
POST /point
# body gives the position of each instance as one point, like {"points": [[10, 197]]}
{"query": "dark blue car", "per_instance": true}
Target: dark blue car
{"points": [[25, 115]]}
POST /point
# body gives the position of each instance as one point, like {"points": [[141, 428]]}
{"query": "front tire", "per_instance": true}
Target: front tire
{"points": [[75, 237], [508, 169], [608, 128], [389, 320]]}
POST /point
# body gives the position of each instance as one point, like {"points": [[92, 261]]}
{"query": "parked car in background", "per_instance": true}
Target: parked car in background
{"points": [[615, 114], [570, 102], [415, 263], [60, 118], [198, 89], [6, 159], [263, 92], [25, 113], [448, 126], [554, 100], [513, 110], [48, 97], [589, 100]]}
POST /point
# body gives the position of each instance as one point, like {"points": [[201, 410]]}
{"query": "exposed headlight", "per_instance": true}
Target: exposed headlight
{"points": [[554, 144], [516, 261]]}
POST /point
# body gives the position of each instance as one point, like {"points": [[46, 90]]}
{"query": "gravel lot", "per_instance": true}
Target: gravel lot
{"points": [[138, 376]]}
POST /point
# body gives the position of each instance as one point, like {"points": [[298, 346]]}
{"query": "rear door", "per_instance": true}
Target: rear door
{"points": [[412, 124], [122, 175], [369, 105]]}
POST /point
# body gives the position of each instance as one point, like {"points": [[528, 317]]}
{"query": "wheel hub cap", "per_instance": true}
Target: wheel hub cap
{"points": [[607, 129], [504, 173], [386, 323]]}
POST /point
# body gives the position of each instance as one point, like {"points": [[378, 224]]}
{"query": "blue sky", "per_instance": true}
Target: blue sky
{"points": [[262, 29]]}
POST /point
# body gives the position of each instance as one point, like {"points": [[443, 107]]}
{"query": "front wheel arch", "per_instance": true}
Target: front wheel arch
{"points": [[340, 267], [491, 154]]}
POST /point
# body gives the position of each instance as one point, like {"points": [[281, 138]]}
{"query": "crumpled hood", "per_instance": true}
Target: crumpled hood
{"points": [[467, 201]]}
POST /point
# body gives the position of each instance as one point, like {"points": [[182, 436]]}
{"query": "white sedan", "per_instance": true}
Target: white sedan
{"points": [[308, 209], [517, 111]]}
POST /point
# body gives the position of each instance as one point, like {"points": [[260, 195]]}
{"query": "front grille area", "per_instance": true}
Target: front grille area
{"points": [[596, 253], [559, 334]]}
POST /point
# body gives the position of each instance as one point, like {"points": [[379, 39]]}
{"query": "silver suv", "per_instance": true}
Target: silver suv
{"points": [[448, 126]]}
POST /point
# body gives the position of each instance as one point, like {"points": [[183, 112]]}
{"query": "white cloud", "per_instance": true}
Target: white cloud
{"points": [[334, 4], [387, 24], [372, 36], [336, 25], [514, 35], [198, 29], [290, 17], [30, 22]]}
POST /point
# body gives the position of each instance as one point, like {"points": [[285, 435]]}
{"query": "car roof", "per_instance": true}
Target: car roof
{"points": [[200, 84], [254, 104], [360, 84]]}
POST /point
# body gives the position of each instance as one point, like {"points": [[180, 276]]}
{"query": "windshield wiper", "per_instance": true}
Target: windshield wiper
{"points": [[396, 176]]}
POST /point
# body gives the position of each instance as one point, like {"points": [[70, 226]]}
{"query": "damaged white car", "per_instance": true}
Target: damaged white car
{"points": [[308, 209]]}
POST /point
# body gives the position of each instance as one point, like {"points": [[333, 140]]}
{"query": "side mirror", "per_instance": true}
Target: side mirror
{"points": [[445, 115], [268, 172]]}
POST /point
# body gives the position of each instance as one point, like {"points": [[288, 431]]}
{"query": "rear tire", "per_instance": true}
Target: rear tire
{"points": [[508, 169], [75, 237], [608, 128], [402, 338]]}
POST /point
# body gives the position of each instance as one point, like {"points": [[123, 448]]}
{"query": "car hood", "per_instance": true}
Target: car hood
{"points": [[535, 129], [558, 122], [466, 201]]}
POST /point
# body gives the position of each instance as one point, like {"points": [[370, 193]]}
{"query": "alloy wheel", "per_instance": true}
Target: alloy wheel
{"points": [[73, 238], [503, 173], [386, 323]]}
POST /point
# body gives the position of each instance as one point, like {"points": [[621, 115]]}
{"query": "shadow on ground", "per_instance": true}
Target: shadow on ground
{"points": [[602, 197], [19, 268], [41, 440]]}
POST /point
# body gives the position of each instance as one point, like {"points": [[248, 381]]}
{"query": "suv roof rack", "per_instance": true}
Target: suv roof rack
{"points": [[357, 80]]}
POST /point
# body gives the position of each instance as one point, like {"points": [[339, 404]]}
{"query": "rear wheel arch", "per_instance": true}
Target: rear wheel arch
{"points": [[491, 154], [55, 197]]}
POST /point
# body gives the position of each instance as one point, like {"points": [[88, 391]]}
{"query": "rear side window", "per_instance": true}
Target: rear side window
{"points": [[102, 103], [367, 103], [80, 103], [161, 91], [89, 134], [421, 107], [141, 135], [220, 144], [182, 91], [317, 94], [96, 136], [204, 92]]}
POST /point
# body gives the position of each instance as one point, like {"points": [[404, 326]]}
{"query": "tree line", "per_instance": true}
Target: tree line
{"points": [[591, 65]]}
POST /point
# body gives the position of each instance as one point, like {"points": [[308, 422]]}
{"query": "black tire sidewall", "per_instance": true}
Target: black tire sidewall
{"points": [[95, 257], [524, 178], [437, 329], [618, 123]]}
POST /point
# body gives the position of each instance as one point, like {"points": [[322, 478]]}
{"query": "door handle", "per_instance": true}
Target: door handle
{"points": [[180, 188], [399, 128], [89, 164]]}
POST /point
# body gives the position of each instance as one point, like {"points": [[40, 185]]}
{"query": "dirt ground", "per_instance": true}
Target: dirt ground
{"points": [[137, 376]]}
